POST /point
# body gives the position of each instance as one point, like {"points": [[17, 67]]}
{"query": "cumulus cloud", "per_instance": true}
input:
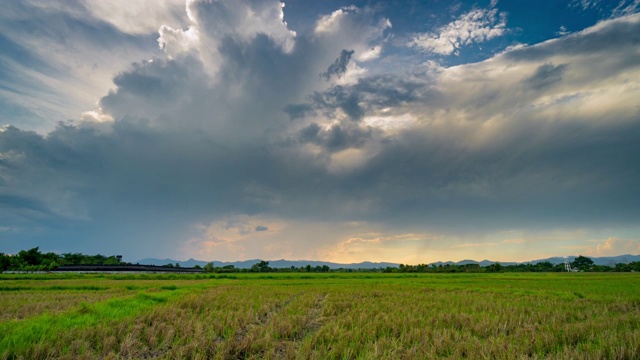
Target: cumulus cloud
{"points": [[370, 54], [177, 41], [141, 136], [370, 94], [211, 23], [66, 60], [351, 28], [469, 118], [139, 17], [609, 246], [335, 137], [476, 26], [230, 143]]}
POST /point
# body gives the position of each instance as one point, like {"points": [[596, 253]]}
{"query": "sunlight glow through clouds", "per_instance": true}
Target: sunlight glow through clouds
{"points": [[258, 130], [391, 122]]}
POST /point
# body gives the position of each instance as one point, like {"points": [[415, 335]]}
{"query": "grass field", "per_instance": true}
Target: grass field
{"points": [[321, 316]]}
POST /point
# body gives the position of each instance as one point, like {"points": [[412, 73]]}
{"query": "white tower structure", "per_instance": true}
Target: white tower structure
{"points": [[567, 265]]}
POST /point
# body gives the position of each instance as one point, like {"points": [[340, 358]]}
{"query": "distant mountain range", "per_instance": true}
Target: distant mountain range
{"points": [[272, 263], [609, 261], [606, 260]]}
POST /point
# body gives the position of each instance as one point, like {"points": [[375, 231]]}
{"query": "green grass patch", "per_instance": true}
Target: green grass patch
{"points": [[330, 316], [53, 288], [17, 336]]}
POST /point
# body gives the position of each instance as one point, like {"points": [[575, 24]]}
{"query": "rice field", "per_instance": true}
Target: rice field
{"points": [[321, 316]]}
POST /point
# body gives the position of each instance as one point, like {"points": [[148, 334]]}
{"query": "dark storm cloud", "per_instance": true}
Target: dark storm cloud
{"points": [[115, 184], [579, 172], [191, 145], [336, 137], [339, 67], [546, 75], [309, 133], [371, 93], [298, 111], [340, 97], [20, 203], [535, 166], [157, 88]]}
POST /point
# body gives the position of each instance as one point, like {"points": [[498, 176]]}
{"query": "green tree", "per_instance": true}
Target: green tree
{"points": [[582, 263], [262, 266], [112, 260], [544, 266], [72, 258], [31, 256], [209, 267], [495, 267], [5, 262]]}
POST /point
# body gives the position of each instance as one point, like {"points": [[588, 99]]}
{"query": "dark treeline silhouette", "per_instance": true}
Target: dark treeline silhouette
{"points": [[581, 263], [34, 260]]}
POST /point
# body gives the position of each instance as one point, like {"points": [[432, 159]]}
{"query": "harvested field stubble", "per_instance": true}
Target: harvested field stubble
{"points": [[286, 316]]}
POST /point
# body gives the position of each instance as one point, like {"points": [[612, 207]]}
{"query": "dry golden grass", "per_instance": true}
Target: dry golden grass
{"points": [[488, 317]]}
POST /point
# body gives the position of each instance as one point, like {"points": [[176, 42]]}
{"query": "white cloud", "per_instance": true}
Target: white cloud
{"points": [[370, 54], [555, 81], [98, 116], [562, 31], [613, 246], [609, 246], [405, 154], [67, 59], [213, 21], [391, 123], [584, 4], [140, 16], [626, 7], [352, 28], [176, 41], [476, 26], [331, 23]]}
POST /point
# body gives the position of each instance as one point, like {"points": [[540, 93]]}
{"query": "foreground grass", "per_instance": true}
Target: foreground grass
{"points": [[323, 316]]}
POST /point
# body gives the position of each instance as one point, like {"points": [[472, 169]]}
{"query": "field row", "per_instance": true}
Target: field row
{"points": [[489, 316]]}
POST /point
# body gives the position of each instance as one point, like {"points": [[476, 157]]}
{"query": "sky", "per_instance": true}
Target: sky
{"points": [[400, 131]]}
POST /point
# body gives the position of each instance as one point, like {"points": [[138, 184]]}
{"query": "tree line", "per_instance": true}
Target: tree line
{"points": [[581, 263], [34, 260]]}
